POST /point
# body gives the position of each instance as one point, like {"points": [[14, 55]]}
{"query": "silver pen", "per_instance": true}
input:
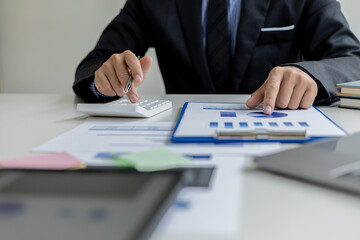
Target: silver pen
{"points": [[129, 83]]}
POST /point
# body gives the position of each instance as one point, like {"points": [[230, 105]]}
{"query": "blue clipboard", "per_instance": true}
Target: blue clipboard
{"points": [[238, 139]]}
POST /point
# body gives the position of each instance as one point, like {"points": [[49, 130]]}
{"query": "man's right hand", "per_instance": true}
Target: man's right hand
{"points": [[111, 78]]}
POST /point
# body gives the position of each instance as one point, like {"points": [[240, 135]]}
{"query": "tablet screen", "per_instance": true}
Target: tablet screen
{"points": [[74, 205]]}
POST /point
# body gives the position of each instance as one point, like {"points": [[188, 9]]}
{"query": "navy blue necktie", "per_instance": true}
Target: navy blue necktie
{"points": [[218, 43]]}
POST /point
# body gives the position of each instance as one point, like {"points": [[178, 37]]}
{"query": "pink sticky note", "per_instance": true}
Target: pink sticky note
{"points": [[53, 161]]}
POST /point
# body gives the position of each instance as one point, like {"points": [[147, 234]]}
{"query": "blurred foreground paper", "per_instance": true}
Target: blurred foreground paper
{"points": [[54, 161]]}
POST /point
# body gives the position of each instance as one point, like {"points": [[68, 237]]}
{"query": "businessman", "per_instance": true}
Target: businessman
{"points": [[287, 53]]}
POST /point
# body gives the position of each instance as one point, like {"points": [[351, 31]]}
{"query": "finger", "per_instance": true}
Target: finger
{"points": [[271, 90], [121, 71], [145, 65], [256, 98], [308, 98], [132, 94], [285, 93], [133, 63], [110, 73], [296, 98], [102, 84]]}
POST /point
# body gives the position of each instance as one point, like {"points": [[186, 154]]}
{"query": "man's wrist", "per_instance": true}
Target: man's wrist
{"points": [[96, 92]]}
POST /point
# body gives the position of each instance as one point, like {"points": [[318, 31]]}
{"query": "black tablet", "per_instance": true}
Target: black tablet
{"points": [[83, 204]]}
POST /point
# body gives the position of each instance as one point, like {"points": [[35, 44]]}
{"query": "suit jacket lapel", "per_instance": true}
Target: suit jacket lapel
{"points": [[190, 17], [253, 13]]}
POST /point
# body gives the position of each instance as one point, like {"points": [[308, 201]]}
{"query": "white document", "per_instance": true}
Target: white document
{"points": [[205, 119], [207, 213], [93, 141]]}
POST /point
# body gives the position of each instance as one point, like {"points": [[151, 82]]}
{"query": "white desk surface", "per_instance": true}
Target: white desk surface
{"points": [[272, 207]]}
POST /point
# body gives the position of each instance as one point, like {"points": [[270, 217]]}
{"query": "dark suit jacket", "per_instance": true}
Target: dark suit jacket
{"points": [[321, 44]]}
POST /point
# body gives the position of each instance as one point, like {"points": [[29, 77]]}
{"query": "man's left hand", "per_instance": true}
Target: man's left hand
{"points": [[285, 87]]}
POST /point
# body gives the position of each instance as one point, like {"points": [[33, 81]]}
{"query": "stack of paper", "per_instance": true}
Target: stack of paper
{"points": [[96, 143]]}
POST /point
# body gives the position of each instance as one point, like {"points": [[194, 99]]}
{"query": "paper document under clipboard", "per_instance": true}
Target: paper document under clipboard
{"points": [[234, 122]]}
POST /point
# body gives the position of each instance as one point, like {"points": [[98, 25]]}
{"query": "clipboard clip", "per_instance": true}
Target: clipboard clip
{"points": [[262, 134]]}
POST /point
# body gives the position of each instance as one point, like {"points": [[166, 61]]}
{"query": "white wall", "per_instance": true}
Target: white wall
{"points": [[42, 42], [351, 9]]}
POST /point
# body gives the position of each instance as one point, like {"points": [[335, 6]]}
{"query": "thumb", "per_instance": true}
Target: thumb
{"points": [[132, 94], [145, 63], [256, 98]]}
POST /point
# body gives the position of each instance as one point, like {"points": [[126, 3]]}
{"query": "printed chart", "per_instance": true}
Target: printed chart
{"points": [[202, 121]]}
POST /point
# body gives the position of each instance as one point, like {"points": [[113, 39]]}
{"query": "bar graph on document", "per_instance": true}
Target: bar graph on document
{"points": [[252, 119], [254, 125], [205, 119]]}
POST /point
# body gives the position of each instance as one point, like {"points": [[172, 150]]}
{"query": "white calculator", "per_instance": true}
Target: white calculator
{"points": [[124, 108]]}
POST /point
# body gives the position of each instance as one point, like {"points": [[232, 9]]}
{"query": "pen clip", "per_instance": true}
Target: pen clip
{"points": [[260, 133]]}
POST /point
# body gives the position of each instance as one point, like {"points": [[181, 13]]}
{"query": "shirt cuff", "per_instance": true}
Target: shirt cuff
{"points": [[96, 92]]}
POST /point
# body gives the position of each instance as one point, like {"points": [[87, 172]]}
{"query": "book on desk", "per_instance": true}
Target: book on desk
{"points": [[349, 94]]}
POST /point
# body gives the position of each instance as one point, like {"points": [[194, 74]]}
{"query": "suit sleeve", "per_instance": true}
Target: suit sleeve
{"points": [[127, 31], [331, 51]]}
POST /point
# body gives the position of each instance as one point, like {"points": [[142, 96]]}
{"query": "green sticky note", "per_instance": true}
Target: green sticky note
{"points": [[153, 160], [120, 162]]}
